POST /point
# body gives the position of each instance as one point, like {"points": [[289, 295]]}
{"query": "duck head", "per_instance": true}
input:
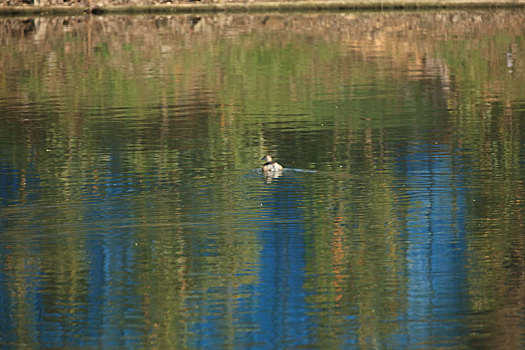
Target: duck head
{"points": [[267, 158]]}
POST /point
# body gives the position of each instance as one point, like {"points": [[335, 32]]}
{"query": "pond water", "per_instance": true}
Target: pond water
{"points": [[133, 213]]}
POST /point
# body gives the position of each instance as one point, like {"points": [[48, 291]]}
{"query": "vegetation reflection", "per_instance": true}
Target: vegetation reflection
{"points": [[127, 161]]}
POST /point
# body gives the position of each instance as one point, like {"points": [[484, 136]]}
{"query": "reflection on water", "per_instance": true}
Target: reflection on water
{"points": [[133, 212]]}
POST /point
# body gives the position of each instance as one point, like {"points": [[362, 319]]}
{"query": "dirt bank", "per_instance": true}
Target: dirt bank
{"points": [[39, 7]]}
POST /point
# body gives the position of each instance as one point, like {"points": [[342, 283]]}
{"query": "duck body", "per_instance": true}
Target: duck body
{"points": [[270, 166]]}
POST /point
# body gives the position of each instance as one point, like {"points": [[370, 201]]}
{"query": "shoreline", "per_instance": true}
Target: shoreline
{"points": [[257, 7]]}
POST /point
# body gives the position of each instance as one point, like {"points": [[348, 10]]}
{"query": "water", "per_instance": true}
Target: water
{"points": [[133, 213]]}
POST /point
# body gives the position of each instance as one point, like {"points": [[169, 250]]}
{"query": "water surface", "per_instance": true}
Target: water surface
{"points": [[133, 214]]}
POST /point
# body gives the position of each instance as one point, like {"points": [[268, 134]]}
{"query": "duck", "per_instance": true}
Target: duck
{"points": [[270, 165]]}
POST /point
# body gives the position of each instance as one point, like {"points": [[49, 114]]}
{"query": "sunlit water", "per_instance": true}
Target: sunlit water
{"points": [[133, 213]]}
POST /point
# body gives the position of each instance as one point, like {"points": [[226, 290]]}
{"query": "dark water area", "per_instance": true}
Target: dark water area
{"points": [[133, 213]]}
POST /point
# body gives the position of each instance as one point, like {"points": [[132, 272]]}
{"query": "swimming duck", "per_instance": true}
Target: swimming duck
{"points": [[270, 165]]}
